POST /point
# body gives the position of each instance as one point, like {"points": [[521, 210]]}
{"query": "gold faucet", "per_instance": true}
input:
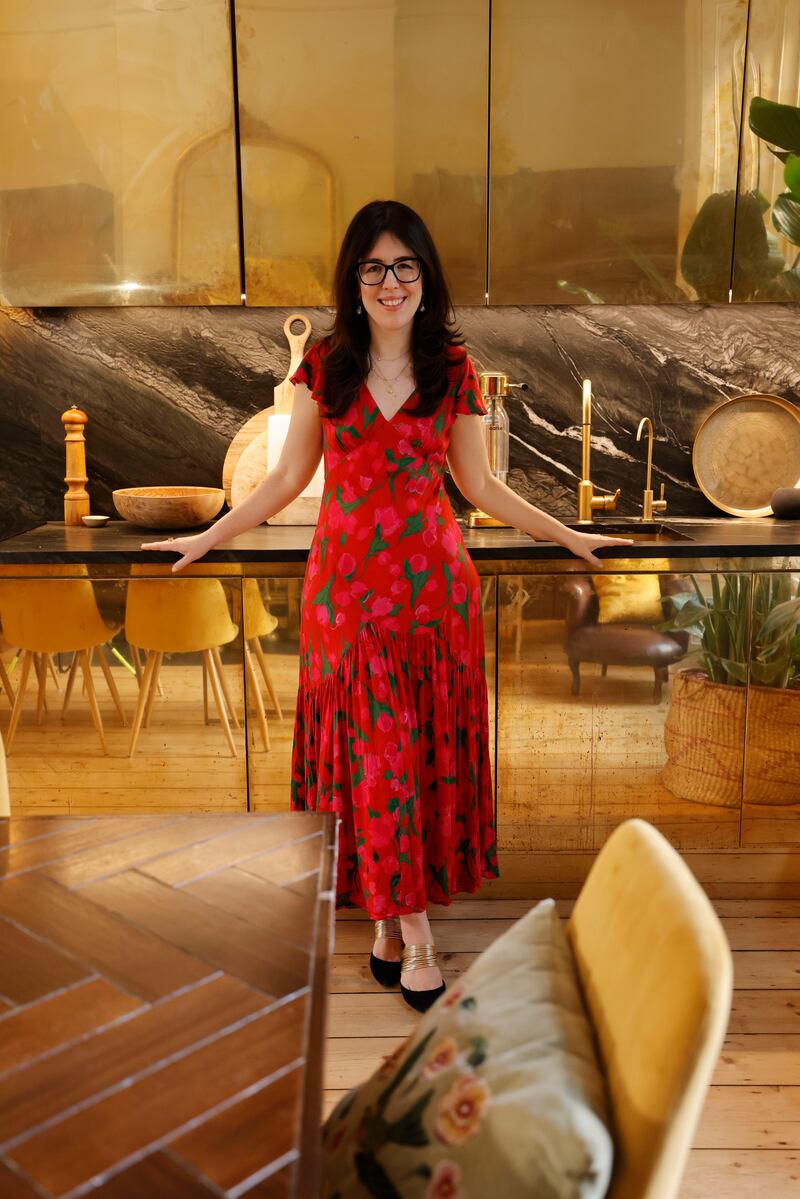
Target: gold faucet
{"points": [[649, 505], [588, 502]]}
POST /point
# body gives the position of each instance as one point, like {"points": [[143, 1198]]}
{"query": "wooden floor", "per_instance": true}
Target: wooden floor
{"points": [[748, 1142]]}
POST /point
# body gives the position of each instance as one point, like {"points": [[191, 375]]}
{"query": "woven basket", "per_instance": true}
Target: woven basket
{"points": [[704, 740], [772, 772]]}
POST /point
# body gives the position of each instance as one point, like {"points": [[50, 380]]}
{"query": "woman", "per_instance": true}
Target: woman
{"points": [[391, 729]]}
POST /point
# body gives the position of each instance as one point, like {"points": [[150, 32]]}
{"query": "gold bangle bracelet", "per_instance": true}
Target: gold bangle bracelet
{"points": [[418, 957], [388, 928]]}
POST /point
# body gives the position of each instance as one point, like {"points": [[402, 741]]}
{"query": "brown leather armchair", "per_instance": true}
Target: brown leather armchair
{"points": [[623, 644]]}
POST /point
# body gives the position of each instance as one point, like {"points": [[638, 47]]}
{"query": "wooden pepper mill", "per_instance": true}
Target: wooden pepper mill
{"points": [[76, 497]]}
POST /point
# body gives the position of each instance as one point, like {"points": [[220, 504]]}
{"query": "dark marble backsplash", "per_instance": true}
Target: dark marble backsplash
{"points": [[166, 389]]}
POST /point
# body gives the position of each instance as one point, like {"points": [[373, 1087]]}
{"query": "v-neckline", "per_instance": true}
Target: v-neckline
{"points": [[389, 420]]}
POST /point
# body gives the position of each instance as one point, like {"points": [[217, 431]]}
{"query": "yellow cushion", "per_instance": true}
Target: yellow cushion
{"points": [[634, 598], [496, 1092]]}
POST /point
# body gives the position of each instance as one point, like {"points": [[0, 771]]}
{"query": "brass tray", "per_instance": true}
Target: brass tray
{"points": [[744, 450]]}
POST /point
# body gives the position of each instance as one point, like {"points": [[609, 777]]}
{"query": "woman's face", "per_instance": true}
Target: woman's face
{"points": [[392, 303]]}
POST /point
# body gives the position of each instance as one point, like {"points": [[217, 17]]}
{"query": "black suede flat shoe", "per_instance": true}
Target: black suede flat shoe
{"points": [[385, 973], [422, 1000]]}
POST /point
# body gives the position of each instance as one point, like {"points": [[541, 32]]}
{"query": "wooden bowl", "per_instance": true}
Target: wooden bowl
{"points": [[168, 507]]}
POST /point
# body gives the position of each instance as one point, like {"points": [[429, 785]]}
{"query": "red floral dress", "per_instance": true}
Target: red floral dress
{"points": [[392, 723]]}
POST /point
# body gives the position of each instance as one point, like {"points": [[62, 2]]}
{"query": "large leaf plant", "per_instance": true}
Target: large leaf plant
{"points": [[738, 637]]}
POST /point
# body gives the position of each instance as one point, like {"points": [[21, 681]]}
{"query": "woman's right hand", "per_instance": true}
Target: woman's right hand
{"points": [[190, 548]]}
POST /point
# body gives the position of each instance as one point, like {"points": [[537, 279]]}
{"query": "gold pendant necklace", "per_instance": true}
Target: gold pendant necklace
{"points": [[389, 382]]}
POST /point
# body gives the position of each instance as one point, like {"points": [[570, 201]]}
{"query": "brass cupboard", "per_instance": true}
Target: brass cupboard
{"points": [[562, 151]]}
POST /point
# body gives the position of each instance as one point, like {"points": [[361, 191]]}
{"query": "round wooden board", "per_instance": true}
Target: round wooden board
{"points": [[746, 448], [250, 469], [249, 430]]}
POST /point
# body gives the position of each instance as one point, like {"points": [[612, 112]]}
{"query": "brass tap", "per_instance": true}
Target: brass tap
{"points": [[588, 502], [649, 505]]}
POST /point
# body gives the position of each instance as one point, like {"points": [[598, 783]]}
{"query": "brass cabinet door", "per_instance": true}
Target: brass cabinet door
{"points": [[342, 104], [766, 258], [611, 125], [118, 175]]}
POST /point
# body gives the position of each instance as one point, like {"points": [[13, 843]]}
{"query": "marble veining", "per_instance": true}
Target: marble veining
{"points": [[166, 389]]}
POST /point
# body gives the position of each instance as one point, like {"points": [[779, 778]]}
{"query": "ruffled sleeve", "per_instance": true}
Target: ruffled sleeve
{"points": [[468, 400], [310, 372]]}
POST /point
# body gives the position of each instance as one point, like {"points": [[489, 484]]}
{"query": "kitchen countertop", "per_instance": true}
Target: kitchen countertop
{"points": [[687, 537]]}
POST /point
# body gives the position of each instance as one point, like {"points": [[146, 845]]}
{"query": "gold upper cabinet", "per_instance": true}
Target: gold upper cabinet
{"points": [[767, 246], [117, 154], [342, 103], [613, 149]]}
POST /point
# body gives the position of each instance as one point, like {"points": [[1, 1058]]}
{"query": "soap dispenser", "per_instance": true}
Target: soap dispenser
{"points": [[494, 387]]}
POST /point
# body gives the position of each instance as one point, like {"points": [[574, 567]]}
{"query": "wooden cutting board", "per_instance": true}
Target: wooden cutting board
{"points": [[252, 469], [282, 397]]}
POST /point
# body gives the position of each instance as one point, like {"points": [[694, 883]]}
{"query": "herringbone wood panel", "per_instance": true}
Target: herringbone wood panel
{"points": [[162, 996]]}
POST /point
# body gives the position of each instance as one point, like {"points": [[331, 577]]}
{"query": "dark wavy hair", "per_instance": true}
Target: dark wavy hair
{"points": [[434, 333]]}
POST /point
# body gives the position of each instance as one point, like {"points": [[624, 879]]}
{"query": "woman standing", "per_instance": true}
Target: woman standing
{"points": [[391, 730]]}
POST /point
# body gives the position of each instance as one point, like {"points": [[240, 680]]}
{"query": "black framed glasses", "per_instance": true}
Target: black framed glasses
{"points": [[405, 270]]}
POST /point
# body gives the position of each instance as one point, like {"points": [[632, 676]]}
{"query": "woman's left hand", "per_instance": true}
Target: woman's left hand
{"points": [[583, 545]]}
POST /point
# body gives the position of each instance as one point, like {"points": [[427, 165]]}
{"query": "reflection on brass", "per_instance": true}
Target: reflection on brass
{"points": [[588, 502], [772, 71], [388, 110], [592, 200], [649, 505], [90, 155], [744, 450]]}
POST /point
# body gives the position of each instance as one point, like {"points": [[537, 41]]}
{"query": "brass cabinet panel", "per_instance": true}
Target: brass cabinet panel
{"points": [[589, 734], [117, 154], [340, 104], [771, 812], [611, 125], [123, 694], [763, 265]]}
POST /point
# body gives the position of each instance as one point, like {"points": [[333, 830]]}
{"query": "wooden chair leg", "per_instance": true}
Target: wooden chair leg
{"points": [[219, 699], [40, 665], [205, 692], [53, 672], [112, 686], [159, 658], [94, 707], [661, 676], [252, 679], [604, 670], [224, 684], [16, 712], [5, 682], [144, 691], [70, 684], [137, 663], [261, 658]]}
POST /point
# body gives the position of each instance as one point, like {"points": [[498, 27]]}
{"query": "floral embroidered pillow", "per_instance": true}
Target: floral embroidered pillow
{"points": [[497, 1093]]}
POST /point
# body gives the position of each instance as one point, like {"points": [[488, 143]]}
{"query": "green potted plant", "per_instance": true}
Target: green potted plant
{"points": [[746, 632]]}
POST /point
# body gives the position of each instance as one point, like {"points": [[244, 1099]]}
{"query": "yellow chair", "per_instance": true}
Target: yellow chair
{"points": [[5, 802], [657, 976], [180, 616], [258, 623], [42, 617]]}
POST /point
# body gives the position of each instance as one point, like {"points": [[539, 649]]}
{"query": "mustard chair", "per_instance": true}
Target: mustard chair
{"points": [[42, 617], [180, 616], [5, 802], [258, 623], [657, 977]]}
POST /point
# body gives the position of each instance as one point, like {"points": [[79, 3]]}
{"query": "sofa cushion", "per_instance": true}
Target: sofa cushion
{"points": [[498, 1091], [622, 598]]}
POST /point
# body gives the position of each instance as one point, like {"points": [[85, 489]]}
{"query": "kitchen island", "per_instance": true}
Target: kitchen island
{"points": [[582, 737]]}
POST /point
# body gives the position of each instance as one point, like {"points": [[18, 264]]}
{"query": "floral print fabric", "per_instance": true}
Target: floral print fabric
{"points": [[392, 729], [498, 1091]]}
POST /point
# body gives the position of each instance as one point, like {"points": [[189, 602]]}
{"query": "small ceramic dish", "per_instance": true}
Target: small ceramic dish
{"points": [[95, 522]]}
